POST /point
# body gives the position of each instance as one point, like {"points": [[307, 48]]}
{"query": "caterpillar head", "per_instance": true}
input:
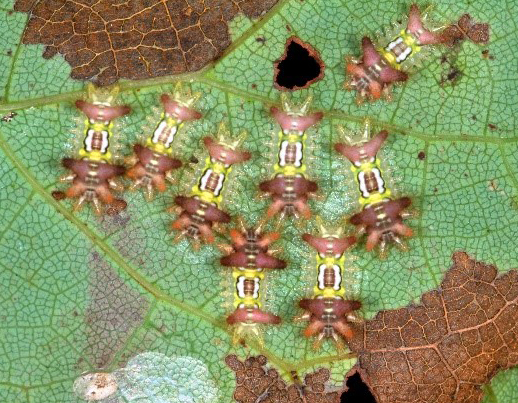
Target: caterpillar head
{"points": [[359, 146], [100, 104], [329, 245], [295, 118], [180, 103], [248, 322], [417, 28], [225, 149]]}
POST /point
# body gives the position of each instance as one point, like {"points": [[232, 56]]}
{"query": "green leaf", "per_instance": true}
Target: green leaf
{"points": [[82, 293]]}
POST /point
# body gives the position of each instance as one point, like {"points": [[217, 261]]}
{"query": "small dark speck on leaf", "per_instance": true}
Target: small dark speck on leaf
{"points": [[116, 207], [254, 86], [288, 28], [9, 52], [261, 39], [487, 55], [49, 52], [58, 195], [421, 155], [474, 117], [452, 76], [10, 116], [193, 160], [492, 126]]}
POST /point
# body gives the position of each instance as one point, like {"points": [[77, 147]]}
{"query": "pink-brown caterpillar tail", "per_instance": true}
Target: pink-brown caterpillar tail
{"points": [[255, 315]]}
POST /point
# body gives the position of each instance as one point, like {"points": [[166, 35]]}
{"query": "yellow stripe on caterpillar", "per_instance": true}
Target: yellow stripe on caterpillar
{"points": [[157, 147], [409, 40], [95, 155]]}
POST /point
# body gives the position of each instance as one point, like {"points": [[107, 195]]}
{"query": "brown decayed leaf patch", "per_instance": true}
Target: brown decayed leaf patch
{"points": [[114, 311], [440, 351], [445, 348], [256, 383], [468, 28], [104, 40]]}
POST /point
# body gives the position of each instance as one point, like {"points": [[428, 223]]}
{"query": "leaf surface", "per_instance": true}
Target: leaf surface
{"points": [[56, 320]]}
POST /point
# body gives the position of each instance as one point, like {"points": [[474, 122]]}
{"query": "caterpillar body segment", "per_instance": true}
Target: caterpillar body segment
{"points": [[93, 173], [329, 312], [153, 162], [249, 257], [202, 208], [290, 187], [387, 61], [381, 216]]}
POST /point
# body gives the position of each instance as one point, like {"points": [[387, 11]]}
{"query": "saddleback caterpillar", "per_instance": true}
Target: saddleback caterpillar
{"points": [[199, 211], [382, 215], [249, 256], [290, 188], [93, 174], [329, 312], [153, 162], [387, 61]]}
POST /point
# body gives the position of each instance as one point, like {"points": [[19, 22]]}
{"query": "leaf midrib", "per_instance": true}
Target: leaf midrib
{"points": [[247, 96]]}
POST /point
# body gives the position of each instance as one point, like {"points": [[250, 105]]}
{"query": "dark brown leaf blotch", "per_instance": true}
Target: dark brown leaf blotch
{"points": [[134, 39], [448, 346]]}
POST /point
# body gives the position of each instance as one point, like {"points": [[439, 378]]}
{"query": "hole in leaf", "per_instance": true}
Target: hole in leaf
{"points": [[299, 67], [357, 392]]}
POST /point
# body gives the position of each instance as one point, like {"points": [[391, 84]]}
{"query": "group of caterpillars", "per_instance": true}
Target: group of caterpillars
{"points": [[249, 255]]}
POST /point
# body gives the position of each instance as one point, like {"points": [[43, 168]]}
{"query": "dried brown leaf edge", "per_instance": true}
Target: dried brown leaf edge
{"points": [[103, 40], [441, 350], [255, 383]]}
